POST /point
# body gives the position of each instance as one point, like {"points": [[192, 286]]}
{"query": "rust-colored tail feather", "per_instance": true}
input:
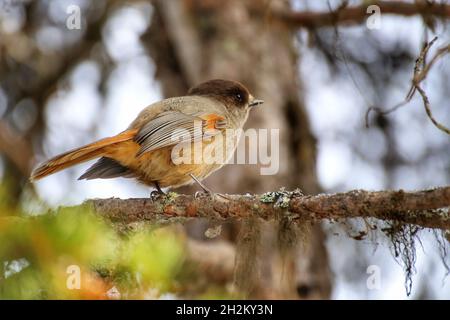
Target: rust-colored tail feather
{"points": [[79, 155]]}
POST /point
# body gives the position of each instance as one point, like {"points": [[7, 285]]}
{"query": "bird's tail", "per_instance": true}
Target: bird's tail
{"points": [[79, 155]]}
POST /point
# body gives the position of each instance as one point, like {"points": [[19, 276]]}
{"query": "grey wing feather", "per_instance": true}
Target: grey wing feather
{"points": [[168, 129], [106, 168]]}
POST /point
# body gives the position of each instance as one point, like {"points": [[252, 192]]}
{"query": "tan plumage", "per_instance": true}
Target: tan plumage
{"points": [[144, 150]]}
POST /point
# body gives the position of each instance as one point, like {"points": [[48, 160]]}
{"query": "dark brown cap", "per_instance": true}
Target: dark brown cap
{"points": [[231, 93]]}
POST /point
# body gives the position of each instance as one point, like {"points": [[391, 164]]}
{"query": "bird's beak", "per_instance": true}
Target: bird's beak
{"points": [[254, 102]]}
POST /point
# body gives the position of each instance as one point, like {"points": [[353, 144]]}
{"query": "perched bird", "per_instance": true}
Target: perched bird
{"points": [[145, 150]]}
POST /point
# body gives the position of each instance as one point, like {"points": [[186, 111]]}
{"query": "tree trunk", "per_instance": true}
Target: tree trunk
{"points": [[194, 40]]}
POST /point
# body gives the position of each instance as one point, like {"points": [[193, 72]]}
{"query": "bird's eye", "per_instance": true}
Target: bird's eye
{"points": [[239, 97]]}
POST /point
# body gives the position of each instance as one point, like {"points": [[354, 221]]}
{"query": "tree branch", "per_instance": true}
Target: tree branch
{"points": [[357, 14], [427, 208]]}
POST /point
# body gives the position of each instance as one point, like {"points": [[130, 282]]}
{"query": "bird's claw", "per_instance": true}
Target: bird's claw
{"points": [[206, 191], [155, 195], [200, 194]]}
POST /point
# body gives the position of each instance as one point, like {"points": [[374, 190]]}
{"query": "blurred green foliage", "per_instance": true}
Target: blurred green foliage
{"points": [[42, 256]]}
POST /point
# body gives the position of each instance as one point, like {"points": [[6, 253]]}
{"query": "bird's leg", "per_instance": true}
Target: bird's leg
{"points": [[159, 188], [205, 189], [155, 194]]}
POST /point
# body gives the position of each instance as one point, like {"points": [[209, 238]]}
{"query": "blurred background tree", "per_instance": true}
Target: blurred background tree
{"points": [[62, 86]]}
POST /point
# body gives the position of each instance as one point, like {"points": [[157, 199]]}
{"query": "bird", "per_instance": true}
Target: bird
{"points": [[145, 150]]}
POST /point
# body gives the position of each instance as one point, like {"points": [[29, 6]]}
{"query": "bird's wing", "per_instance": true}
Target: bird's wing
{"points": [[106, 168], [169, 127]]}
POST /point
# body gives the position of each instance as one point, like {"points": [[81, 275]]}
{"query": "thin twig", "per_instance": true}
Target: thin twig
{"points": [[426, 104], [421, 70]]}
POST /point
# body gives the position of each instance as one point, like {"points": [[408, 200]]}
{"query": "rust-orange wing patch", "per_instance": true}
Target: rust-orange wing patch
{"points": [[213, 121]]}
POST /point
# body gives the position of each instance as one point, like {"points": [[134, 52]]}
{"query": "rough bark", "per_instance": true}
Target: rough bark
{"points": [[426, 208]]}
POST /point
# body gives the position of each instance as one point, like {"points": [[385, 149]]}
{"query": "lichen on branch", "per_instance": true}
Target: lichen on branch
{"points": [[426, 208]]}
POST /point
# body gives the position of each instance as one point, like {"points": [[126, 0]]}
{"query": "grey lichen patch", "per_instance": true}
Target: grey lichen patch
{"points": [[447, 235], [165, 200], [283, 200], [268, 197], [443, 243], [442, 214], [280, 198], [213, 232], [170, 197], [403, 239]]}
